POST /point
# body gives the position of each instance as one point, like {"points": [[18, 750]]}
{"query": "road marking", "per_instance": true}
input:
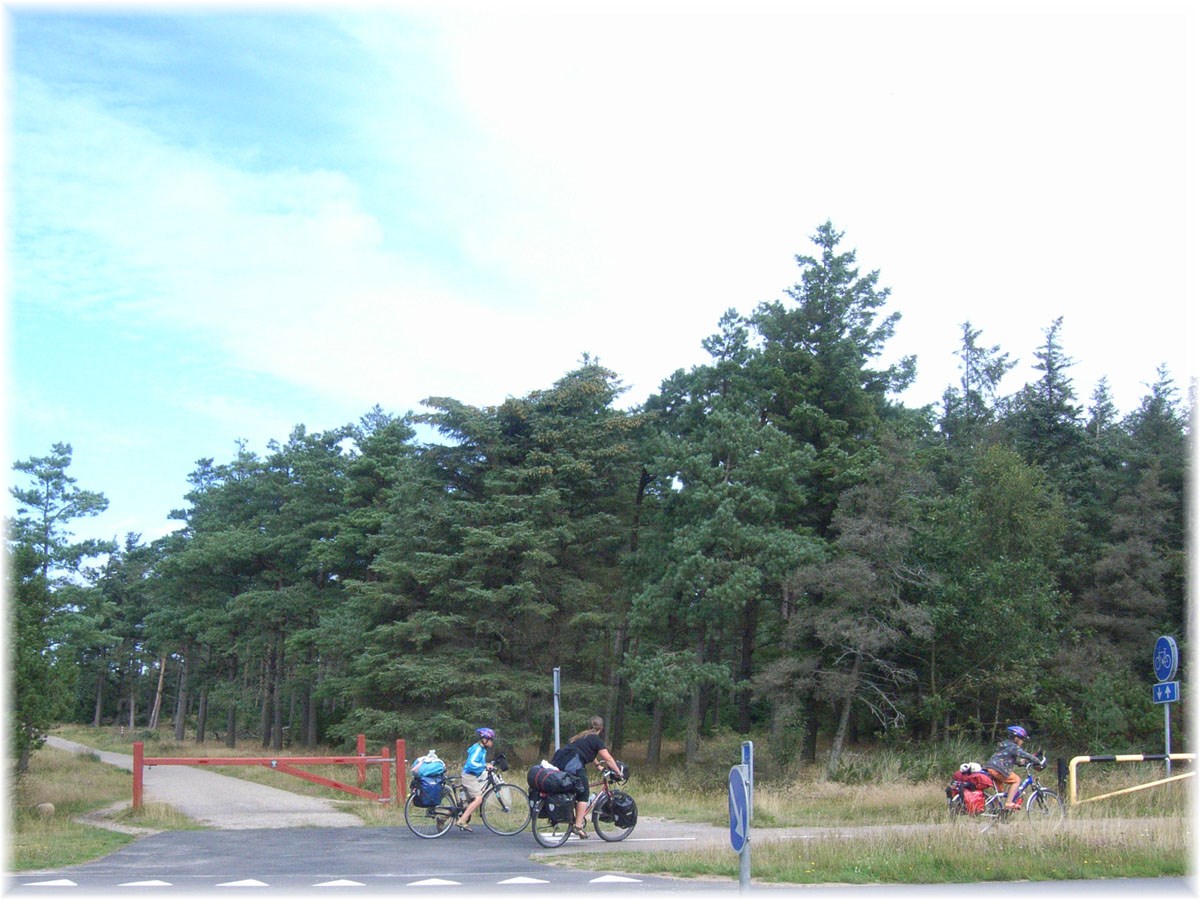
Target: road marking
{"points": [[433, 882], [146, 884], [521, 879], [341, 882], [614, 879], [59, 882], [249, 882]]}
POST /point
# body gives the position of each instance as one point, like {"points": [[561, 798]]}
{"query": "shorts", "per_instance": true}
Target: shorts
{"points": [[582, 791], [1001, 778], [473, 785]]}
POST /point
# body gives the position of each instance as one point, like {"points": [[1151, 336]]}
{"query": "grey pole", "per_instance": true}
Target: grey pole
{"points": [[744, 867], [1167, 716], [557, 742]]}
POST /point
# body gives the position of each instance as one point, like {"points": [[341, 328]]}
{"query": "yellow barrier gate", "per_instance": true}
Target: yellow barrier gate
{"points": [[1072, 785]]}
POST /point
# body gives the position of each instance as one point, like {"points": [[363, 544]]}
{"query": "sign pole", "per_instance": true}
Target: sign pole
{"points": [[741, 812], [557, 742], [744, 868], [1166, 664], [1167, 715]]}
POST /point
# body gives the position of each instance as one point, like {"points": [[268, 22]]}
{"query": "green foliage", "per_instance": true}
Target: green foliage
{"points": [[772, 543]]}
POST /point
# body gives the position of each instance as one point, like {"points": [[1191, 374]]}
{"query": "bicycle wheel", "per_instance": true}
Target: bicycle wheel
{"points": [[604, 822], [993, 810], [545, 832], [506, 810], [956, 806], [1045, 806], [431, 822]]}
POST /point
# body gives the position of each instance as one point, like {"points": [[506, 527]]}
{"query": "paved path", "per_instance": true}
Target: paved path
{"points": [[220, 801]]}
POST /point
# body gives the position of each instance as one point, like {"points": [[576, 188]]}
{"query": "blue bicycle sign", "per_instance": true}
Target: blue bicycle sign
{"points": [[1166, 658]]}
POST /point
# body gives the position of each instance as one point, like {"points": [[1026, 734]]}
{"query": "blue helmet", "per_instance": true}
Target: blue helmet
{"points": [[1018, 731], [485, 733]]}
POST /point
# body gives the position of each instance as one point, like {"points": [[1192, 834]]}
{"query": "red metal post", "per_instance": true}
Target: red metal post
{"points": [[385, 792], [362, 767], [138, 756], [401, 772]]}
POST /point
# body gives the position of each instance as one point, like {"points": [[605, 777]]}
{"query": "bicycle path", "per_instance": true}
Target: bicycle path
{"points": [[220, 801]]}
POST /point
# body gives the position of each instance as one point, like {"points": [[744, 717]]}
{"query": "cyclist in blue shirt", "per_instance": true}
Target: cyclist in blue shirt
{"points": [[473, 768]]}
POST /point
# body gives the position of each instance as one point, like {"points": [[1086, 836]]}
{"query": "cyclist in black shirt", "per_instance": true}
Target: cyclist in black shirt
{"points": [[573, 756]]}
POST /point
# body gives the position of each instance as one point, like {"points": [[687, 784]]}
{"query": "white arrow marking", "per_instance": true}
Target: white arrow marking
{"points": [[432, 882], [523, 880], [61, 882], [145, 884], [249, 882], [341, 882], [613, 879]]}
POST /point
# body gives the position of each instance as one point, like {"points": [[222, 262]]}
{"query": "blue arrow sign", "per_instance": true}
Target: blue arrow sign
{"points": [[1166, 658], [739, 811], [1166, 692]]}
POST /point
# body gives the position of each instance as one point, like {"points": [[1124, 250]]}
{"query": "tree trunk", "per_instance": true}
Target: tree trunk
{"points": [[839, 738], [133, 688], [654, 743], [231, 724], [158, 694], [98, 709], [933, 719], [181, 701], [277, 698], [264, 712], [808, 751], [745, 695], [692, 741], [202, 716], [615, 714]]}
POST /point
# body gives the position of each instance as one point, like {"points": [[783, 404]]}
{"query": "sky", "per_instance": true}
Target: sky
{"points": [[226, 221]]}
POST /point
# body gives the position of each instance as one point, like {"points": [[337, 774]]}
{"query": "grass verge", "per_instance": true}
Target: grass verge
{"points": [[1024, 852], [1143, 834], [75, 784]]}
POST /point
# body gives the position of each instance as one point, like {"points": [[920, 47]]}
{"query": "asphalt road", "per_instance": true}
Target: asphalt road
{"points": [[264, 840]]}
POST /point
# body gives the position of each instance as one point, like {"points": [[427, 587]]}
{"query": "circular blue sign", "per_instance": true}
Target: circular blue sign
{"points": [[739, 809], [1166, 658]]}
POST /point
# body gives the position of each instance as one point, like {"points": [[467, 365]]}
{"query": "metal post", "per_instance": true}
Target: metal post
{"points": [[401, 772], [138, 755], [557, 741], [744, 868], [1167, 715]]}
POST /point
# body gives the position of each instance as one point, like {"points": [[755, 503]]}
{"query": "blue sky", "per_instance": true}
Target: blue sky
{"points": [[224, 222]]}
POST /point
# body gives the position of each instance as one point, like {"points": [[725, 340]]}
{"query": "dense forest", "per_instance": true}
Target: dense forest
{"points": [[771, 544]]}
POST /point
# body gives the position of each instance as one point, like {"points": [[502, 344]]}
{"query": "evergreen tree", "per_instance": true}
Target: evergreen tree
{"points": [[46, 572]]}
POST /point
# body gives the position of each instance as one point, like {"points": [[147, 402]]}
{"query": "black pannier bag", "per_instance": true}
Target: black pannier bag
{"points": [[550, 781], [559, 808], [623, 810]]}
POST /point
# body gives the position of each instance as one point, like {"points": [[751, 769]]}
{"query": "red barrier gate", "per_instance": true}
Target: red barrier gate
{"points": [[287, 765]]}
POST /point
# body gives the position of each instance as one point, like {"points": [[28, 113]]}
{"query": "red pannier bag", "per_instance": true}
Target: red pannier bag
{"points": [[971, 785]]}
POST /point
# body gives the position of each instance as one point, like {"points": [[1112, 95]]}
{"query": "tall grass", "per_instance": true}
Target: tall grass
{"points": [[1104, 848], [75, 784]]}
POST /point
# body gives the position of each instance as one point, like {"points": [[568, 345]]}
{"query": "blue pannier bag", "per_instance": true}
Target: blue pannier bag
{"points": [[427, 790]]}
